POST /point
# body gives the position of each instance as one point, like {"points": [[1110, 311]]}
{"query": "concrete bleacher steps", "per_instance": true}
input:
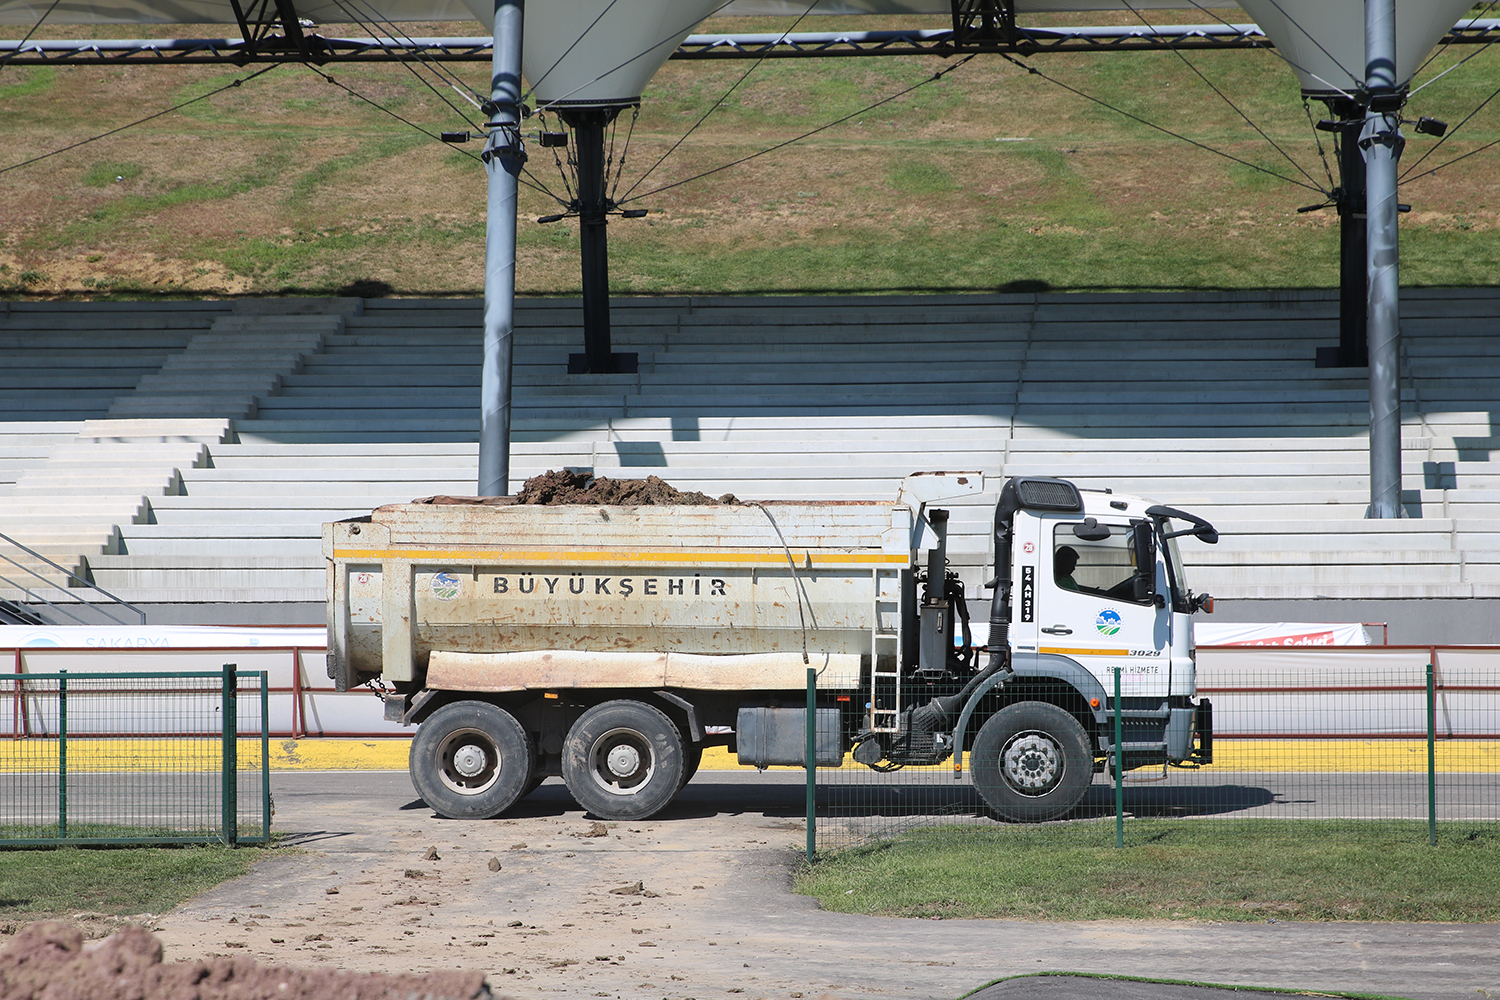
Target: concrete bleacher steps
{"points": [[1206, 401], [226, 370], [69, 507]]}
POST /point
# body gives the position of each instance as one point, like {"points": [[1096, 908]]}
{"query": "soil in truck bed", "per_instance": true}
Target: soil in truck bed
{"points": [[564, 487]]}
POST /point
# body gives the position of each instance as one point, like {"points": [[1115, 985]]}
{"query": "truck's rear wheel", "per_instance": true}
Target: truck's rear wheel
{"points": [[470, 760], [1032, 762], [623, 760], [692, 756]]}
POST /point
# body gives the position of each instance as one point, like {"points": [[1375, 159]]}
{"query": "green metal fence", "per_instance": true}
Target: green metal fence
{"points": [[135, 758], [1337, 748]]}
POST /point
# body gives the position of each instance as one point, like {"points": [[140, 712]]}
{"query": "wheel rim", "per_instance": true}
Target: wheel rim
{"points": [[621, 761], [468, 761], [1032, 763]]}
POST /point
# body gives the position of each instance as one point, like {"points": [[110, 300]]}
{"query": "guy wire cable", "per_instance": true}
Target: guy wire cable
{"points": [[1160, 128], [1446, 45], [396, 34], [1318, 138], [558, 61], [1440, 166], [533, 184], [1283, 56], [627, 62], [405, 63], [715, 105], [821, 128], [114, 131], [1225, 98], [45, 14]]}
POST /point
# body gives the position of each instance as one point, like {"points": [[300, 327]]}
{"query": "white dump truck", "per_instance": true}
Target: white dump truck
{"points": [[610, 644]]}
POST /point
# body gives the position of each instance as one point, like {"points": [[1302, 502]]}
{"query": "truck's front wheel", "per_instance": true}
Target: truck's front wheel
{"points": [[623, 760], [470, 760], [1032, 762]]}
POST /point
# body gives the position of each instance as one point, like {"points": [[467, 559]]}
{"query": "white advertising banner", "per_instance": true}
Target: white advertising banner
{"points": [[159, 636], [302, 699], [1207, 633]]}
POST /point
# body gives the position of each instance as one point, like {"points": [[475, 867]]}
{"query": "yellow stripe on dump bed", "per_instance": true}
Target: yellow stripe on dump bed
{"points": [[472, 556], [1070, 651]]}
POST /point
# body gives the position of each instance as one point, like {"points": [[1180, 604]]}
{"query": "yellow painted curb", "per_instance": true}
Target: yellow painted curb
{"points": [[390, 754]]}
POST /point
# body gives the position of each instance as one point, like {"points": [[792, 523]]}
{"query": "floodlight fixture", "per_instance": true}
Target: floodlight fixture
{"points": [[455, 136], [552, 218], [634, 213], [1431, 126], [553, 139]]}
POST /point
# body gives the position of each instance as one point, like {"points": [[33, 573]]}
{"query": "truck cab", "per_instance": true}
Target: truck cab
{"points": [[1090, 592]]}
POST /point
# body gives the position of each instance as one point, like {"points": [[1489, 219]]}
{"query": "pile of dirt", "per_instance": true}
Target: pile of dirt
{"points": [[564, 487], [49, 961]]}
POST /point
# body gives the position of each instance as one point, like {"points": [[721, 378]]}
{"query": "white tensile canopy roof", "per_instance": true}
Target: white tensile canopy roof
{"points": [[1324, 40]]}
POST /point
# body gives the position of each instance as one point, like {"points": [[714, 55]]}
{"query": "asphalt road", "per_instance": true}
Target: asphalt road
{"points": [[736, 837], [857, 792]]}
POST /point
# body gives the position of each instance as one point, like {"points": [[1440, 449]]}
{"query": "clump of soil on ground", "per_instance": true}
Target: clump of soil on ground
{"points": [[50, 960], [564, 487]]}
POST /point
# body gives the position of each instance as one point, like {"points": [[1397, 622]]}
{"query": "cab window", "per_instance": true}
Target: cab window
{"points": [[1102, 568]]}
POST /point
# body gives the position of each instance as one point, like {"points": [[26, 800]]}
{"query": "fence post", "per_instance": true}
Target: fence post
{"points": [[1119, 767], [265, 758], [62, 753], [1431, 756], [230, 778], [810, 759]]}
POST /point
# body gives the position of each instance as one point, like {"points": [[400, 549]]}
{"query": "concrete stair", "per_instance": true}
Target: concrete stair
{"points": [[70, 507], [225, 371], [1208, 401]]}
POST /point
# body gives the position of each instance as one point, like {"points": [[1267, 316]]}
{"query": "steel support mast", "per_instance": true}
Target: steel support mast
{"points": [[1381, 141], [503, 156]]}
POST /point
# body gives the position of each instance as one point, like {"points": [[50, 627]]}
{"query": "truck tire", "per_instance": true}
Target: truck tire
{"points": [[470, 760], [1032, 762], [623, 760], [692, 756]]}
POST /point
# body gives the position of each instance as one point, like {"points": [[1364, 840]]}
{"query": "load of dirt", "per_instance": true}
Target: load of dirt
{"points": [[564, 487], [49, 961]]}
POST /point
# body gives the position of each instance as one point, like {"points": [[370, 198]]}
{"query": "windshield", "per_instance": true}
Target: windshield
{"points": [[1181, 595]]}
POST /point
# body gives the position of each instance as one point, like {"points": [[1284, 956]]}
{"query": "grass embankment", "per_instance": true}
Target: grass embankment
{"points": [[1184, 871], [36, 884], [989, 179]]}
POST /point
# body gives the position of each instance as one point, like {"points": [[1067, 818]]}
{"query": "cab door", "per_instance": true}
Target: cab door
{"points": [[1096, 612]]}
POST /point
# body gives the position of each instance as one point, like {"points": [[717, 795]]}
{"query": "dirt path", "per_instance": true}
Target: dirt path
{"points": [[713, 917], [628, 909]]}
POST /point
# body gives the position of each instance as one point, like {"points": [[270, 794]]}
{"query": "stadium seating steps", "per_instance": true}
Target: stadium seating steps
{"points": [[187, 453]]}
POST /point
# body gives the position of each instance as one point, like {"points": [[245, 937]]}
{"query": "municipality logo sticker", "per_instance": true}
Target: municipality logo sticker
{"points": [[446, 586], [1107, 621]]}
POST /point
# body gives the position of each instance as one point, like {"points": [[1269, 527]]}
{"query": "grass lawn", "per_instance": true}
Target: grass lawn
{"points": [[1175, 870], [39, 883]]}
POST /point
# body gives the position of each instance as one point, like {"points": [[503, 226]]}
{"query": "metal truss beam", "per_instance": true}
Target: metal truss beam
{"points": [[801, 45]]}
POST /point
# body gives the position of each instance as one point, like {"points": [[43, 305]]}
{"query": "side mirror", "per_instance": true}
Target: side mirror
{"points": [[1143, 546], [1091, 530]]}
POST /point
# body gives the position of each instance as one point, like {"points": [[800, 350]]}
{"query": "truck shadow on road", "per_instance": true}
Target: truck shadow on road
{"points": [[896, 799], [783, 800]]}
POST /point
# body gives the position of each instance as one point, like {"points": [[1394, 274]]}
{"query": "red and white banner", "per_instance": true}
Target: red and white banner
{"points": [[1279, 634]]}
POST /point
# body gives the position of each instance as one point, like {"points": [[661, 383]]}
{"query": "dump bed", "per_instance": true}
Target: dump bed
{"points": [[493, 598]]}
